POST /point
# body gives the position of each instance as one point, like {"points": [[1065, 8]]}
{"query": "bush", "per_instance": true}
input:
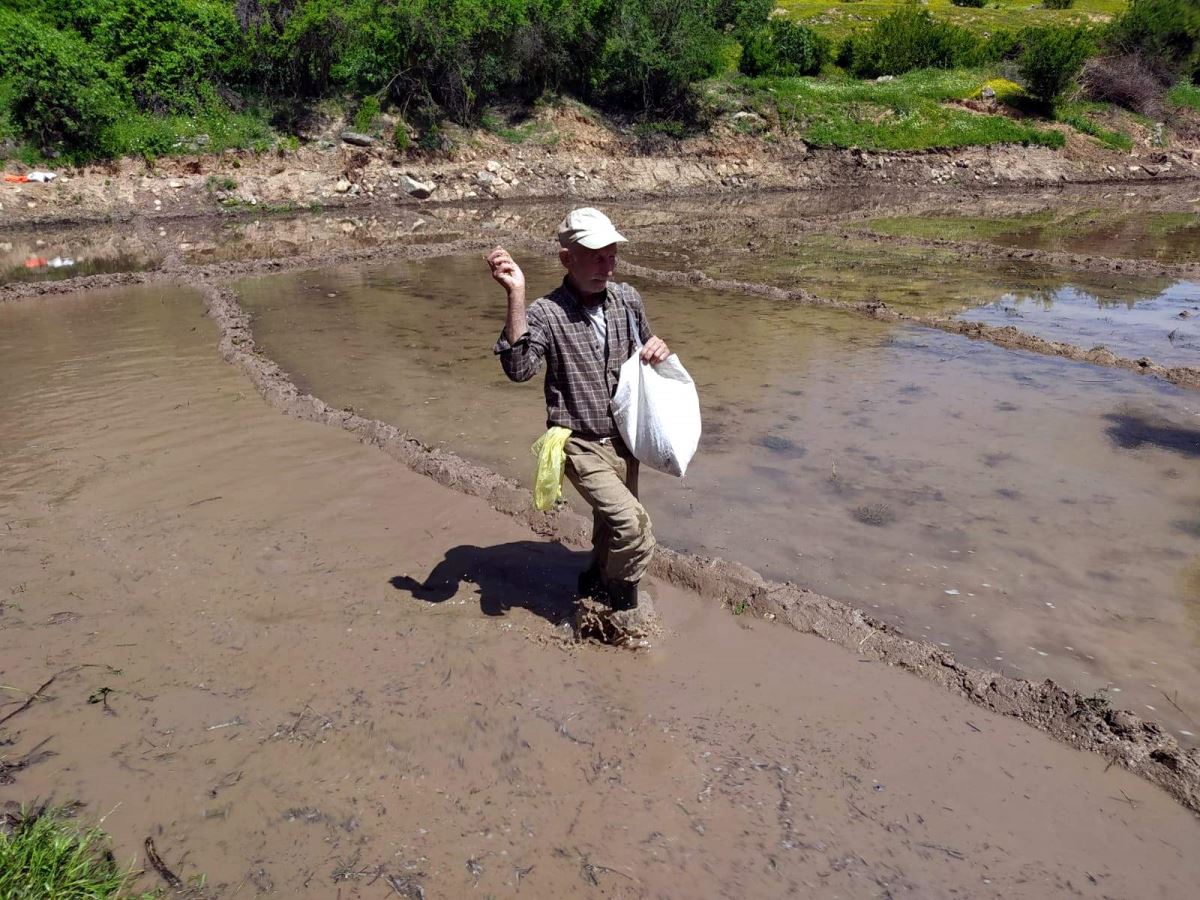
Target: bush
{"points": [[1127, 80], [910, 38], [1057, 4], [1051, 59], [742, 17], [654, 51], [1166, 30], [172, 54], [59, 94], [971, 4], [785, 49]]}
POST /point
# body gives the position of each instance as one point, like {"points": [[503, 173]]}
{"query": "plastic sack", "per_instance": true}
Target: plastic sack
{"points": [[551, 466], [657, 410]]}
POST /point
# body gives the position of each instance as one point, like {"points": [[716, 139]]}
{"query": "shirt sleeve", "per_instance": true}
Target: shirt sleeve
{"points": [[521, 359]]}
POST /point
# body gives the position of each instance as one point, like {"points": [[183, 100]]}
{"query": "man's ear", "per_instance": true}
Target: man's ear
{"points": [[564, 257]]}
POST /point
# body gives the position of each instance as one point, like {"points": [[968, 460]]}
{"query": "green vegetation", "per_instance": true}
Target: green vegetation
{"points": [[44, 857], [1077, 116], [837, 19], [1185, 95], [88, 79], [783, 48], [1051, 58], [1167, 31], [908, 39], [906, 113]]}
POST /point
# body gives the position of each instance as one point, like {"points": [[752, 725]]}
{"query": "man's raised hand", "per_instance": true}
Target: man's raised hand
{"points": [[506, 272]]}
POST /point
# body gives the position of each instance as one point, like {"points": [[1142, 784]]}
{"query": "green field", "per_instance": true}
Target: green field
{"points": [[907, 113], [837, 19]]}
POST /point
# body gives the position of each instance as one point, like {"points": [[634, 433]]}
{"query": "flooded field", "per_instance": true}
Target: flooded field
{"points": [[142, 246], [246, 667], [1165, 237], [1165, 327], [1035, 516]]}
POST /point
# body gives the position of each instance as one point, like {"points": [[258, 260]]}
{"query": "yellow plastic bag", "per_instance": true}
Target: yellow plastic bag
{"points": [[552, 464]]}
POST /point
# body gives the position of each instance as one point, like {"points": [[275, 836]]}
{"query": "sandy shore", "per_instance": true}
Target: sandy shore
{"points": [[330, 676]]}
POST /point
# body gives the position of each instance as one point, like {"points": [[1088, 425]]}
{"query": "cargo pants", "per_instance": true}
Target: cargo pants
{"points": [[606, 475]]}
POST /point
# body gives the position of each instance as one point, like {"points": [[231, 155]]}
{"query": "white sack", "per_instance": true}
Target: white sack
{"points": [[657, 411]]}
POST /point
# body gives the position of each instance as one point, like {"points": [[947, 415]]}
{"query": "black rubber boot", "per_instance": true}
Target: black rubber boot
{"points": [[623, 595], [591, 582]]}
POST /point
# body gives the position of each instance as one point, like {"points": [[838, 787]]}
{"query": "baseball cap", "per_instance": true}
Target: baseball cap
{"points": [[589, 228]]}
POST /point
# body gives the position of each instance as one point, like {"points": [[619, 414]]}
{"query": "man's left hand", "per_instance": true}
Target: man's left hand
{"points": [[655, 351]]}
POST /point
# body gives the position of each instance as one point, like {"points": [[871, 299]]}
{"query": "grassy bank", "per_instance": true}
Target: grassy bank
{"points": [[910, 112], [838, 19]]}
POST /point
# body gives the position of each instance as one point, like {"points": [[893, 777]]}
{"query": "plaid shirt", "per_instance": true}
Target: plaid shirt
{"points": [[581, 375]]}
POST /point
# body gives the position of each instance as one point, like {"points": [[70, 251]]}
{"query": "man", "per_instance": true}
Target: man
{"points": [[581, 332]]}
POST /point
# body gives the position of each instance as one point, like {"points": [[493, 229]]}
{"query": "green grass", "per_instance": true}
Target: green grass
{"points": [[904, 114], [838, 19], [1076, 115], [1185, 95], [529, 131], [43, 856]]}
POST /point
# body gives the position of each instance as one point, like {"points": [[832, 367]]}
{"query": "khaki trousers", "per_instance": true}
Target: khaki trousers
{"points": [[606, 476]]}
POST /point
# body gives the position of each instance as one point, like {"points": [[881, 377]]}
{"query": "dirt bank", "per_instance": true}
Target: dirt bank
{"points": [[588, 159], [330, 677]]}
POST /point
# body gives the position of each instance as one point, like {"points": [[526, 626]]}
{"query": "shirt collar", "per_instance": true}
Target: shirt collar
{"points": [[575, 298]]}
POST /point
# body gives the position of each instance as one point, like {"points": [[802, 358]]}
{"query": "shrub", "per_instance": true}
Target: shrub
{"points": [[785, 49], [742, 17], [654, 51], [1051, 59], [1167, 30], [171, 53], [59, 93], [971, 4], [910, 38], [366, 114], [1126, 80], [1057, 4]]}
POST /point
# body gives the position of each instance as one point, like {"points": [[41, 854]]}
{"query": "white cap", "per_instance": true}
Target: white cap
{"points": [[588, 228]]}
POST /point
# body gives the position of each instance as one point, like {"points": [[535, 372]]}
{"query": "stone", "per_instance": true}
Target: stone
{"points": [[486, 178], [342, 186], [357, 139], [175, 184], [414, 188], [493, 166], [988, 92]]}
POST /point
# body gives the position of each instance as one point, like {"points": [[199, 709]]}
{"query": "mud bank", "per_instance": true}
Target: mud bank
{"points": [[590, 161]]}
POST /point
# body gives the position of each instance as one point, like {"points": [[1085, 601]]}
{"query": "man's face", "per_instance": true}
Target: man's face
{"points": [[590, 270]]}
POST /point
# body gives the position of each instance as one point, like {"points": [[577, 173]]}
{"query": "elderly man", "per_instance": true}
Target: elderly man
{"points": [[582, 332]]}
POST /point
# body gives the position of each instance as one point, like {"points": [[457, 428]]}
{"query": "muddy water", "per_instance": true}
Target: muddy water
{"points": [[1165, 237], [291, 714], [912, 277], [1035, 516], [144, 245], [1165, 327]]}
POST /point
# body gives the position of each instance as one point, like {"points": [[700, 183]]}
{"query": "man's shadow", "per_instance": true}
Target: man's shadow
{"points": [[535, 575]]}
